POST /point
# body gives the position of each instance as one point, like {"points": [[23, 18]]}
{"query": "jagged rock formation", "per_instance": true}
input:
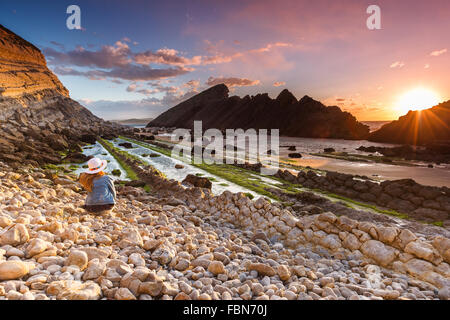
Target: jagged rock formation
{"points": [[428, 126], [304, 118], [37, 116]]}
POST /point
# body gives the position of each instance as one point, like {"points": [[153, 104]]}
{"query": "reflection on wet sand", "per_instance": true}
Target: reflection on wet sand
{"points": [[423, 175]]}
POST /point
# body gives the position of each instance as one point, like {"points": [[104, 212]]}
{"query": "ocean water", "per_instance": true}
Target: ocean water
{"points": [[135, 125], [314, 145], [167, 166], [375, 125], [307, 147], [437, 176], [97, 150]]}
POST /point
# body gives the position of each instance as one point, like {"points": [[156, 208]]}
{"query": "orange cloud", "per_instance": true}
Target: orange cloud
{"points": [[232, 82], [397, 64], [272, 45], [438, 52]]}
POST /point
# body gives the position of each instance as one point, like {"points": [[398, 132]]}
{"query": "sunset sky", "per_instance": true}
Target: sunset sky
{"points": [[138, 58]]}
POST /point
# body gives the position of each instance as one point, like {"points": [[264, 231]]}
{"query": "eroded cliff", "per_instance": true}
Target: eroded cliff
{"points": [[37, 115]]}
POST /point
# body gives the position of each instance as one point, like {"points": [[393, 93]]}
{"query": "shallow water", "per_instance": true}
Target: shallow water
{"points": [[314, 145], [167, 166], [437, 176], [374, 125], [97, 150]]}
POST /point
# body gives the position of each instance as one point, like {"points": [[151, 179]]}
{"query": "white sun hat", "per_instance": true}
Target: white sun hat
{"points": [[96, 165]]}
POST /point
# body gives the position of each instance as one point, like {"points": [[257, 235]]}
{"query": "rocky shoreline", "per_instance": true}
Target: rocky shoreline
{"points": [[419, 202], [173, 242], [422, 203], [39, 121], [437, 153], [185, 243]]}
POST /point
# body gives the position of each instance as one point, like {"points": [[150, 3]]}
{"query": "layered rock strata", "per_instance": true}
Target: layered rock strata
{"points": [[37, 116]]}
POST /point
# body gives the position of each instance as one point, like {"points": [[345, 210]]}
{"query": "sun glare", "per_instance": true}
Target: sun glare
{"points": [[417, 99]]}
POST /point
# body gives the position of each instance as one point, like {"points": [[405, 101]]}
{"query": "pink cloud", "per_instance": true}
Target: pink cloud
{"points": [[279, 83], [397, 64], [270, 46], [128, 72], [106, 57], [165, 56], [438, 52], [232, 82]]}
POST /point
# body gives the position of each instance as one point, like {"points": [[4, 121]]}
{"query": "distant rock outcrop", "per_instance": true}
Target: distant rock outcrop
{"points": [[304, 118], [430, 126], [37, 116]]}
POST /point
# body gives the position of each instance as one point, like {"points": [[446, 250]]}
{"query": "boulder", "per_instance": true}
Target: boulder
{"points": [[351, 242], [88, 138], [424, 251], [135, 183], [36, 246], [96, 253], [294, 155], [164, 254], [132, 237], [376, 250], [15, 235], [418, 267], [216, 267], [387, 234], [94, 270], [124, 294], [331, 242], [77, 258], [283, 272], [126, 145], [152, 288], [77, 157], [10, 270], [74, 290], [200, 182], [262, 269], [442, 245]]}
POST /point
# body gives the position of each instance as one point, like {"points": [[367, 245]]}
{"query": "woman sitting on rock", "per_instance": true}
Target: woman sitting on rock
{"points": [[101, 196]]}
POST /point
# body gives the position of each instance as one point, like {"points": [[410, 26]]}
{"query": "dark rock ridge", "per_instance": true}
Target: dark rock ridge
{"points": [[430, 126], [300, 118], [37, 116]]}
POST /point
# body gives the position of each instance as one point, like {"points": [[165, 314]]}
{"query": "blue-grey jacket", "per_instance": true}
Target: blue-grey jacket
{"points": [[103, 192]]}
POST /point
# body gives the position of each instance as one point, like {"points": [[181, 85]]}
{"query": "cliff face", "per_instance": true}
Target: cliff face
{"points": [[304, 118], [37, 115], [424, 127], [23, 69]]}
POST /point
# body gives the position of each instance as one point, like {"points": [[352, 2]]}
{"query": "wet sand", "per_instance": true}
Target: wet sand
{"points": [[437, 176], [428, 176]]}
